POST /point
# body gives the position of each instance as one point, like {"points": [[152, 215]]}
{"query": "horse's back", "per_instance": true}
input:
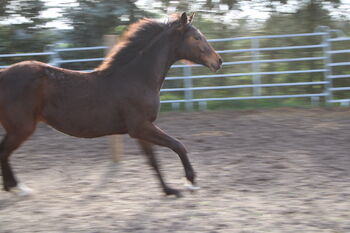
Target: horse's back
{"points": [[21, 77]]}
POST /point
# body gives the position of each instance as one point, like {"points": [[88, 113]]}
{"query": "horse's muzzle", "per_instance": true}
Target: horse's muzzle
{"points": [[215, 66]]}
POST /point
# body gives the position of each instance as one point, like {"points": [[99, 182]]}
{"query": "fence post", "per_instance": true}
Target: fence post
{"points": [[327, 61], [54, 57], [202, 106], [175, 106], [117, 140], [256, 66], [315, 101], [188, 84]]}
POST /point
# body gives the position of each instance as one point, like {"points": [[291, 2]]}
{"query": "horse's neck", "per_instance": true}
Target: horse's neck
{"points": [[149, 67], [155, 63]]}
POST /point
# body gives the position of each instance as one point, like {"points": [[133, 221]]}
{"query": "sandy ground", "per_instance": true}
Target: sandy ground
{"points": [[281, 170]]}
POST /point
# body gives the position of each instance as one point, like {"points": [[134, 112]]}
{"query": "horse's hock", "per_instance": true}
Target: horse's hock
{"points": [[116, 140]]}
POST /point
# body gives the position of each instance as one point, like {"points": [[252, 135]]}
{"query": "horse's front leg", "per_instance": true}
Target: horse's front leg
{"points": [[152, 134], [149, 152]]}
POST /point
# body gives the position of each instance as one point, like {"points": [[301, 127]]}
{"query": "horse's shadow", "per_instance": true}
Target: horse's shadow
{"points": [[11, 200], [5, 204], [110, 173]]}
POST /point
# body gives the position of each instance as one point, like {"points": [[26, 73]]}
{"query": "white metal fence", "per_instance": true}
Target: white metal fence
{"points": [[327, 36]]}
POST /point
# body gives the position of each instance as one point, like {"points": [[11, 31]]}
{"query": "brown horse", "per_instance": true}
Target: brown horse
{"points": [[120, 96]]}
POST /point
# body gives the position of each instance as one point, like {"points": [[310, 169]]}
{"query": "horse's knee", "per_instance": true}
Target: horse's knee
{"points": [[179, 148]]}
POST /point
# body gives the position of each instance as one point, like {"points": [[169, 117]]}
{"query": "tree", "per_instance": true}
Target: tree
{"points": [[28, 12], [219, 8], [3, 5], [21, 26], [92, 19]]}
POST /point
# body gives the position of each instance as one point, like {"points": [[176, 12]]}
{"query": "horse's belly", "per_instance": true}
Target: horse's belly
{"points": [[85, 124], [86, 130]]}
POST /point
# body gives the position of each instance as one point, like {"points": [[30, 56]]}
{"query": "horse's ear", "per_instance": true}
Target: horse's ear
{"points": [[190, 19], [183, 19]]}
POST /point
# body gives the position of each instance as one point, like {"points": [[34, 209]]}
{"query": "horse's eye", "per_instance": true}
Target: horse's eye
{"points": [[197, 38]]}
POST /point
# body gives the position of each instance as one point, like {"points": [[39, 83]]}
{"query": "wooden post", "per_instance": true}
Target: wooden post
{"points": [[116, 140]]}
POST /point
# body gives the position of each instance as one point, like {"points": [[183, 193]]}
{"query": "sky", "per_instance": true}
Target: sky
{"points": [[54, 12], [246, 10]]}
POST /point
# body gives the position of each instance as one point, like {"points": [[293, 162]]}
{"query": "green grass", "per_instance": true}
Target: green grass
{"points": [[247, 104]]}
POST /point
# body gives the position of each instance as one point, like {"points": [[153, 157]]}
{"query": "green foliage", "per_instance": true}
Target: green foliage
{"points": [[26, 32], [223, 7], [28, 10], [304, 20], [3, 6], [256, 104], [92, 19]]}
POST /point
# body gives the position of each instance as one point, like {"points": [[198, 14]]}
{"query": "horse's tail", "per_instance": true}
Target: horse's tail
{"points": [[1, 73]]}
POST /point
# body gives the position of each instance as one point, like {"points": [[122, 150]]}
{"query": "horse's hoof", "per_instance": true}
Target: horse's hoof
{"points": [[189, 186], [172, 192], [22, 190]]}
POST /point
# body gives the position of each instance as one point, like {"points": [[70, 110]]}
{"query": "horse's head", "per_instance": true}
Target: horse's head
{"points": [[194, 46]]}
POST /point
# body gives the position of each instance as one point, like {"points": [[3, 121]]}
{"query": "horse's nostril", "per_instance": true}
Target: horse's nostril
{"points": [[220, 61]]}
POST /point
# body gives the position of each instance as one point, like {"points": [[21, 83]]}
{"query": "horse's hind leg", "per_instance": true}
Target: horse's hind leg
{"points": [[12, 140], [148, 150]]}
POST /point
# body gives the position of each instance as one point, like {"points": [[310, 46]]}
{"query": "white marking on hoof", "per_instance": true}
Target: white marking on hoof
{"points": [[188, 185], [22, 190]]}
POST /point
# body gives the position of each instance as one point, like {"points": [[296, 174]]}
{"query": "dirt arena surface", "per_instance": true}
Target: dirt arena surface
{"points": [[280, 170]]}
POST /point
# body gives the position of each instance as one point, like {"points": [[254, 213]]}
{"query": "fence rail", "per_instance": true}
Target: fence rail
{"points": [[326, 37]]}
